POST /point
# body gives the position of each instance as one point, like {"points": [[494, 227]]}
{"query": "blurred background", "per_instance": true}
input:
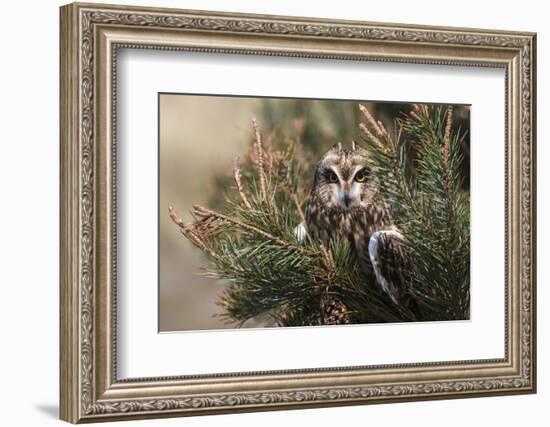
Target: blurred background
{"points": [[200, 135]]}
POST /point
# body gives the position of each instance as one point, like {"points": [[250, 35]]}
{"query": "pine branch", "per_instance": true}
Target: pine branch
{"points": [[259, 157], [237, 175], [431, 210], [208, 214]]}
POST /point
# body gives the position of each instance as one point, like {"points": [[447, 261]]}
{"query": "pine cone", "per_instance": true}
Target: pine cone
{"points": [[334, 311]]}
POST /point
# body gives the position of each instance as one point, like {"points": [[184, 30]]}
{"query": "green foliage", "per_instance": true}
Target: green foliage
{"points": [[419, 170], [252, 244]]}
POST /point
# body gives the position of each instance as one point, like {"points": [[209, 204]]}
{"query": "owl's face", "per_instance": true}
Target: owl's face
{"points": [[342, 179]]}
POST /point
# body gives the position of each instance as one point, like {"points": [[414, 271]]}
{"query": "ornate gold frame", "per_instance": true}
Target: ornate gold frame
{"points": [[90, 36]]}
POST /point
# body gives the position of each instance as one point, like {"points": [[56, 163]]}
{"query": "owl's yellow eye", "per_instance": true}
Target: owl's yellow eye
{"points": [[332, 178], [361, 176]]}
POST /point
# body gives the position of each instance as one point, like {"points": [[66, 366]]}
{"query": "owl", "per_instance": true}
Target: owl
{"points": [[344, 202]]}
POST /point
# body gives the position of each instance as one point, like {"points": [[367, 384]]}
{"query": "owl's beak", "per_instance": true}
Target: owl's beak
{"points": [[347, 200]]}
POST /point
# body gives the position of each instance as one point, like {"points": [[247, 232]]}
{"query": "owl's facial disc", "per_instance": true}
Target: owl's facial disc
{"points": [[347, 189]]}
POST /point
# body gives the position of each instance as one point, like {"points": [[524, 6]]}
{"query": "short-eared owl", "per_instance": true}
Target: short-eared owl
{"points": [[345, 203]]}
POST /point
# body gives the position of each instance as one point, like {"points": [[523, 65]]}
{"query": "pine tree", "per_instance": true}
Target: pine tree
{"points": [[251, 240]]}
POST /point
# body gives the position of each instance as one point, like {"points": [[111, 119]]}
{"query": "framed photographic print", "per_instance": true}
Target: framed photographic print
{"points": [[265, 212]]}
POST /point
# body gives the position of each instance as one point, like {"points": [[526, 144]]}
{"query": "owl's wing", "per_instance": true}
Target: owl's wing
{"points": [[388, 260]]}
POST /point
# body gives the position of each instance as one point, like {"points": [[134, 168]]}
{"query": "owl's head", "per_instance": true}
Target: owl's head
{"points": [[342, 179]]}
